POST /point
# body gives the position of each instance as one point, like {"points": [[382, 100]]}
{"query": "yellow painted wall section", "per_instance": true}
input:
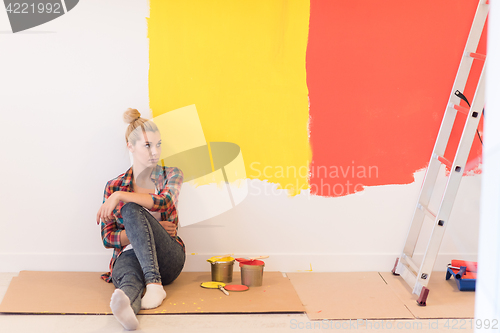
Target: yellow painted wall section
{"points": [[242, 63]]}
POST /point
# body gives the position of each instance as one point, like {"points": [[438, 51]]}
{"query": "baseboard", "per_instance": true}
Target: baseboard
{"points": [[198, 262]]}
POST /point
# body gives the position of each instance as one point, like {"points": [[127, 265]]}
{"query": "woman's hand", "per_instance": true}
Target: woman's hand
{"points": [[105, 213], [170, 227]]}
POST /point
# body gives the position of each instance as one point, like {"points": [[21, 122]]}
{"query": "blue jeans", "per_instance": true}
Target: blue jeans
{"points": [[156, 256]]}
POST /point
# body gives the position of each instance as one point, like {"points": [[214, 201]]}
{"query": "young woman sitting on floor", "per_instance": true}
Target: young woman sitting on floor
{"points": [[138, 220]]}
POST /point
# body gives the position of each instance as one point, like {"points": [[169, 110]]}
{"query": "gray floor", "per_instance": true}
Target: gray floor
{"points": [[213, 323]]}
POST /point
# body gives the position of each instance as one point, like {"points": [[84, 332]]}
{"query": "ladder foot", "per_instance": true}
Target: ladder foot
{"points": [[394, 269], [423, 296]]}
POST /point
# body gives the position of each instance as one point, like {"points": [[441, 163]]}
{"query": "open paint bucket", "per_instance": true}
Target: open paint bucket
{"points": [[252, 272], [222, 269]]}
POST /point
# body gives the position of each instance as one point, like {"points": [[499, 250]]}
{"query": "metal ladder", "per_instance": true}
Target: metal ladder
{"points": [[418, 277]]}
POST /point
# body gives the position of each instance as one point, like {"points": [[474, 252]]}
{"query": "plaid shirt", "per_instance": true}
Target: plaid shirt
{"points": [[164, 202]]}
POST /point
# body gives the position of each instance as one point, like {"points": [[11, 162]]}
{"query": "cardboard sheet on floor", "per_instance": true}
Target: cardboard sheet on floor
{"points": [[352, 295], [85, 293], [444, 299]]}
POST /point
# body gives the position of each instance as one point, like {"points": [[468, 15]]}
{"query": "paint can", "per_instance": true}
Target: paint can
{"points": [[222, 271], [252, 272]]}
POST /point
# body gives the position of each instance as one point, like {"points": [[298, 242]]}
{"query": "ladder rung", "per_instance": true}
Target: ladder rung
{"points": [[477, 56], [410, 263], [408, 275], [442, 160], [427, 211], [464, 109]]}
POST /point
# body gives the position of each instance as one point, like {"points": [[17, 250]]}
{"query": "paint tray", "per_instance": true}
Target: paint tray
{"points": [[465, 274]]}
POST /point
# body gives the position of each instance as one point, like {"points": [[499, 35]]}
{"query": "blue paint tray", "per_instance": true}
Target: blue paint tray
{"points": [[466, 280]]}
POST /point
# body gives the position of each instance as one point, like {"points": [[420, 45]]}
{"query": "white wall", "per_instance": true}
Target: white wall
{"points": [[488, 279], [64, 86]]}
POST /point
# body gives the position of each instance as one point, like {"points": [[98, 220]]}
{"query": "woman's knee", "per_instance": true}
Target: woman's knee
{"points": [[130, 209]]}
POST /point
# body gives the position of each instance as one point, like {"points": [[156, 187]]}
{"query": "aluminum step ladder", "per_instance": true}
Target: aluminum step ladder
{"points": [[416, 276]]}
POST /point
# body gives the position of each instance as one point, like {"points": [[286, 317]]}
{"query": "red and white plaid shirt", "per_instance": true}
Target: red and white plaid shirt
{"points": [[168, 181]]}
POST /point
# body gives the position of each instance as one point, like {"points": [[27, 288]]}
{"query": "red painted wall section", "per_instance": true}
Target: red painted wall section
{"points": [[379, 75]]}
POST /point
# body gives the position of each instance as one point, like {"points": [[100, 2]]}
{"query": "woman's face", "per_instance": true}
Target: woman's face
{"points": [[147, 149]]}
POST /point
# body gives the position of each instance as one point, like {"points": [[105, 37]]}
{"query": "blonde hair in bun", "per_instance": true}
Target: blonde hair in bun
{"points": [[133, 118]]}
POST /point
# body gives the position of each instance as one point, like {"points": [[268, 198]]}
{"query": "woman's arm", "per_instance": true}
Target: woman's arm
{"points": [[113, 237], [105, 213], [143, 199], [167, 199], [110, 234], [161, 202]]}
